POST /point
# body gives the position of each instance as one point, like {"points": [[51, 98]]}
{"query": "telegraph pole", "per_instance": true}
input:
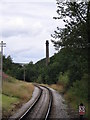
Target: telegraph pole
{"points": [[24, 72], [1, 75], [1, 56]]}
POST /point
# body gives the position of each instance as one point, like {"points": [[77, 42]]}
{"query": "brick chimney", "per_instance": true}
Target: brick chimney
{"points": [[47, 52]]}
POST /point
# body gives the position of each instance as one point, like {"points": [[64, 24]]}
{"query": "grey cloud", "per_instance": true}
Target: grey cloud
{"points": [[28, 9], [25, 1], [25, 28], [10, 33], [32, 30], [27, 55]]}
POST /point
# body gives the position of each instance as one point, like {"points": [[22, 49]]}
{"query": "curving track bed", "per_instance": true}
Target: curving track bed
{"points": [[41, 107]]}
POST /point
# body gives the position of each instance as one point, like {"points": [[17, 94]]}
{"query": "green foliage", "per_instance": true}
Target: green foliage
{"points": [[7, 101], [7, 63], [13, 69], [63, 79], [52, 72], [80, 88], [77, 19], [31, 72], [39, 79], [78, 93]]}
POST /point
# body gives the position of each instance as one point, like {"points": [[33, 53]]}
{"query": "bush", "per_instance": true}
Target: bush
{"points": [[39, 80], [78, 93], [80, 88], [63, 79]]}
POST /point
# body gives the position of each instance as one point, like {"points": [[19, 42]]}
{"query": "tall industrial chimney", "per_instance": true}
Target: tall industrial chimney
{"points": [[47, 52]]}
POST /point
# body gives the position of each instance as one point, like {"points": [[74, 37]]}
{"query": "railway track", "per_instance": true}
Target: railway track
{"points": [[41, 107]]}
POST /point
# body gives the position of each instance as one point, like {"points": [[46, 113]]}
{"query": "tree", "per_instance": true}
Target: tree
{"points": [[7, 63], [74, 38], [13, 69], [31, 72], [76, 33]]}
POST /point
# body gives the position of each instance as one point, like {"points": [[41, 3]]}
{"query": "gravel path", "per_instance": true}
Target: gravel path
{"points": [[59, 108]]}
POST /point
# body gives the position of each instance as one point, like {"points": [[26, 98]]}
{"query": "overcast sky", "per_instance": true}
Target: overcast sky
{"points": [[25, 27]]}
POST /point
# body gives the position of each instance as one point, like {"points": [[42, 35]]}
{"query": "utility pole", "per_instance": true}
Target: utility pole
{"points": [[24, 72], [1, 56], [1, 75]]}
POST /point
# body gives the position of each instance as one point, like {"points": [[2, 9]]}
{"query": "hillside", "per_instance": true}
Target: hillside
{"points": [[14, 94], [68, 72], [68, 68]]}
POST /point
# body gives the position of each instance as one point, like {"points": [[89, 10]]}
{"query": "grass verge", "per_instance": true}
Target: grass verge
{"points": [[14, 94]]}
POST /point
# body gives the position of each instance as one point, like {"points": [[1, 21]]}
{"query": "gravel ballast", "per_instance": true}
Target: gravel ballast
{"points": [[59, 108]]}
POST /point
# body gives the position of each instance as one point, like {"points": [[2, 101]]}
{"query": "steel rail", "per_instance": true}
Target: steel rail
{"points": [[50, 102], [33, 104], [36, 101]]}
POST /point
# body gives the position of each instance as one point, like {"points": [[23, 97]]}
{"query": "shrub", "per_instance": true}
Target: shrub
{"points": [[39, 80], [63, 79], [80, 88]]}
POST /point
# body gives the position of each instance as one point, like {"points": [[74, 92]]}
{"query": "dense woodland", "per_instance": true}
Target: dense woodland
{"points": [[69, 66]]}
